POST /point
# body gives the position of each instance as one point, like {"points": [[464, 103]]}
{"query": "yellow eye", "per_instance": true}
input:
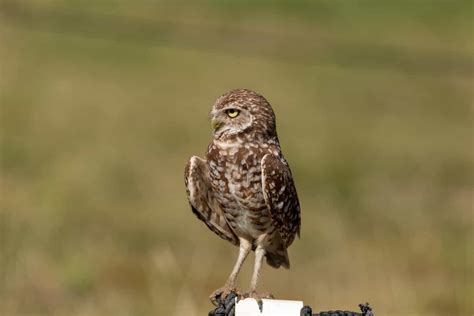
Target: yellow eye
{"points": [[232, 113]]}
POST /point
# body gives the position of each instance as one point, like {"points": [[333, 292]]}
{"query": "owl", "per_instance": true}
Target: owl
{"points": [[243, 189]]}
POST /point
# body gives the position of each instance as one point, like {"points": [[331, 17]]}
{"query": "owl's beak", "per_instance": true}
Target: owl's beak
{"points": [[215, 123]]}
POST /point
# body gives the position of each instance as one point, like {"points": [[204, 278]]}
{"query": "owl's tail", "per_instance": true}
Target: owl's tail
{"points": [[277, 259]]}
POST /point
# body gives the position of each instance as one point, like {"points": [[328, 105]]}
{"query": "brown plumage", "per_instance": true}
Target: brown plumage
{"points": [[244, 191]]}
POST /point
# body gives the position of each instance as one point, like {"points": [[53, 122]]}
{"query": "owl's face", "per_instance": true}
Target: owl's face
{"points": [[230, 120], [242, 111]]}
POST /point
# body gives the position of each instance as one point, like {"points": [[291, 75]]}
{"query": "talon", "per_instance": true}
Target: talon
{"points": [[260, 305], [220, 294], [258, 297]]}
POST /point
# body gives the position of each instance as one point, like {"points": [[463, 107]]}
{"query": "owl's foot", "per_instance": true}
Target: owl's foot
{"points": [[222, 293], [258, 297]]}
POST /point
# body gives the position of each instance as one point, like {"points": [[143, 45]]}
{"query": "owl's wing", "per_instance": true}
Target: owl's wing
{"points": [[203, 204], [280, 196]]}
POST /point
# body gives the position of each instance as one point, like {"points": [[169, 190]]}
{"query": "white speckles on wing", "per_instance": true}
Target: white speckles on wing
{"points": [[280, 195], [282, 189], [201, 198]]}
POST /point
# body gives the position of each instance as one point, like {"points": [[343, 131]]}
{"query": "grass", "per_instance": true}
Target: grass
{"points": [[102, 104]]}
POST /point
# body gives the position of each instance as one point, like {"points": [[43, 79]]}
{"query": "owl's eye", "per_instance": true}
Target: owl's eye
{"points": [[232, 113]]}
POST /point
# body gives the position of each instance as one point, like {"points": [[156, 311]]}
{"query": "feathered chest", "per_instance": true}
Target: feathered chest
{"points": [[236, 175]]}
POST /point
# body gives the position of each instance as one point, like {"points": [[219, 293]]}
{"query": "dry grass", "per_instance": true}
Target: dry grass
{"points": [[101, 105]]}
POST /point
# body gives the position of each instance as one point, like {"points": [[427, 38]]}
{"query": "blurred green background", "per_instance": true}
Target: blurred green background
{"points": [[103, 102]]}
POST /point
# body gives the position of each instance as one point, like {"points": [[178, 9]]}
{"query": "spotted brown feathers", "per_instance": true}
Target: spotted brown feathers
{"points": [[243, 190]]}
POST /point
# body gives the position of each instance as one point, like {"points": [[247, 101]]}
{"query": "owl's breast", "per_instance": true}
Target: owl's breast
{"points": [[236, 181]]}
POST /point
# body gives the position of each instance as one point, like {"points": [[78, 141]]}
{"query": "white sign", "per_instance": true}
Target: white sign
{"points": [[249, 307]]}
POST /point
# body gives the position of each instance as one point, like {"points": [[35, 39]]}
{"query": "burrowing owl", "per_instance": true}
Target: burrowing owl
{"points": [[244, 191]]}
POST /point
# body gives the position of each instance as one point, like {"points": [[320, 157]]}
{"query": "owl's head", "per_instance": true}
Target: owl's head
{"points": [[242, 111]]}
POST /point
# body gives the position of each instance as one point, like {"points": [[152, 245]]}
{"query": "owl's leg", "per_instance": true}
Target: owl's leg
{"points": [[259, 254], [244, 249]]}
